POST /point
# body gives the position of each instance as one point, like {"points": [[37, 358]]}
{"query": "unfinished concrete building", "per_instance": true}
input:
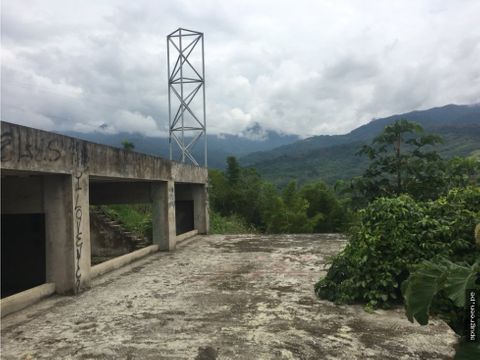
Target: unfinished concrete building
{"points": [[48, 183]]}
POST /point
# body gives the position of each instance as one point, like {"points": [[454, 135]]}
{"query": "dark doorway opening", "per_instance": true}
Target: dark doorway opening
{"points": [[184, 216], [23, 252]]}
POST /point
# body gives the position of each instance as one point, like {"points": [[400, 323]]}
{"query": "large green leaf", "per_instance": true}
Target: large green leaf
{"points": [[420, 288], [429, 278], [459, 279]]}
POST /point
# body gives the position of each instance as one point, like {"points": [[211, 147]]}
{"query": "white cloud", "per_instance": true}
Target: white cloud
{"points": [[315, 67]]}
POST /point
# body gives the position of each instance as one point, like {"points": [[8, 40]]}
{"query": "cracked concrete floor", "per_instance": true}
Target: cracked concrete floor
{"points": [[219, 297]]}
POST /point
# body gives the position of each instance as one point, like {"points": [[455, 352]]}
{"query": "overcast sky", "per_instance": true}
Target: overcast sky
{"points": [[301, 67]]}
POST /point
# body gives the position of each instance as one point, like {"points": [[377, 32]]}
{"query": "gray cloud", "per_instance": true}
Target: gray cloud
{"points": [[313, 68]]}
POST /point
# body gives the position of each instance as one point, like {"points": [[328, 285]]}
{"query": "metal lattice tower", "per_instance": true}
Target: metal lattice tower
{"points": [[186, 107]]}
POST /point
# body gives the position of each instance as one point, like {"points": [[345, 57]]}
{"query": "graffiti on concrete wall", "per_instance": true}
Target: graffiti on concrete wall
{"points": [[78, 229], [17, 148], [171, 196]]}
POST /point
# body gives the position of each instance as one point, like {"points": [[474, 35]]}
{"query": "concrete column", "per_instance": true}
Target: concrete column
{"points": [[59, 231], [81, 230], [163, 215], [200, 208], [67, 227]]}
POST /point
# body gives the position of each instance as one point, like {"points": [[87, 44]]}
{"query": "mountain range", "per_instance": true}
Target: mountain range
{"points": [[253, 139], [281, 158], [333, 157]]}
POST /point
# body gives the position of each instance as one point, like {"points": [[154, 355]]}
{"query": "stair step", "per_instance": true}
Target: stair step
{"points": [[136, 241]]}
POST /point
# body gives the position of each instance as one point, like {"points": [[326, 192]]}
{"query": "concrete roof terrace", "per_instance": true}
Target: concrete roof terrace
{"points": [[219, 297]]}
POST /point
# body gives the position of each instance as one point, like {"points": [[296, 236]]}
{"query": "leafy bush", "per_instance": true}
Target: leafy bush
{"points": [[394, 233], [232, 224]]}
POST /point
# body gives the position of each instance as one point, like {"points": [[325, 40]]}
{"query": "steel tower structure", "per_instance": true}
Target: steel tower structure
{"points": [[186, 94]]}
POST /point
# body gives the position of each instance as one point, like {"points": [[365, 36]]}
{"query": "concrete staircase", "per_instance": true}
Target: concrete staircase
{"points": [[109, 237], [136, 241]]}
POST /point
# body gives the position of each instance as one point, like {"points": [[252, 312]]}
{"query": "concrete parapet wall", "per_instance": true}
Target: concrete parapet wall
{"points": [[187, 235], [26, 298], [123, 260]]}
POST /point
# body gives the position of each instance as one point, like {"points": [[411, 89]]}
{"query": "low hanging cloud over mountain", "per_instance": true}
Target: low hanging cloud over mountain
{"points": [[306, 68]]}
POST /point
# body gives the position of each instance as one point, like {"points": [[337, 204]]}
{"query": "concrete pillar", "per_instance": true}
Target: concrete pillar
{"points": [[200, 208], [163, 214], [67, 227]]}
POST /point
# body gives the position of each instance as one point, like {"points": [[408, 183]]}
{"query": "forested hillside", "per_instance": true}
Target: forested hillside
{"points": [[331, 158]]}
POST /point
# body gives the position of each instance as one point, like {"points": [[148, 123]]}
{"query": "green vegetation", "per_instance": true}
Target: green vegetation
{"points": [[415, 230], [258, 204], [429, 279], [136, 219], [402, 161], [232, 224], [128, 145], [443, 285], [392, 235], [440, 287]]}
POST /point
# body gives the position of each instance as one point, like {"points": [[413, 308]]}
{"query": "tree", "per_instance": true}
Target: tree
{"points": [[285, 212], [218, 189], [128, 145], [233, 170], [332, 215], [462, 172], [236, 191], [402, 162]]}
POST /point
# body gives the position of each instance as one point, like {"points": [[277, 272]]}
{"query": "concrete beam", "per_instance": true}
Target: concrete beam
{"points": [[123, 260], [25, 298], [27, 149], [22, 195], [106, 193], [185, 236], [186, 173]]}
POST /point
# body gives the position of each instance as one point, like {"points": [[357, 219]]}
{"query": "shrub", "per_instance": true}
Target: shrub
{"points": [[135, 218], [394, 233], [232, 224]]}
